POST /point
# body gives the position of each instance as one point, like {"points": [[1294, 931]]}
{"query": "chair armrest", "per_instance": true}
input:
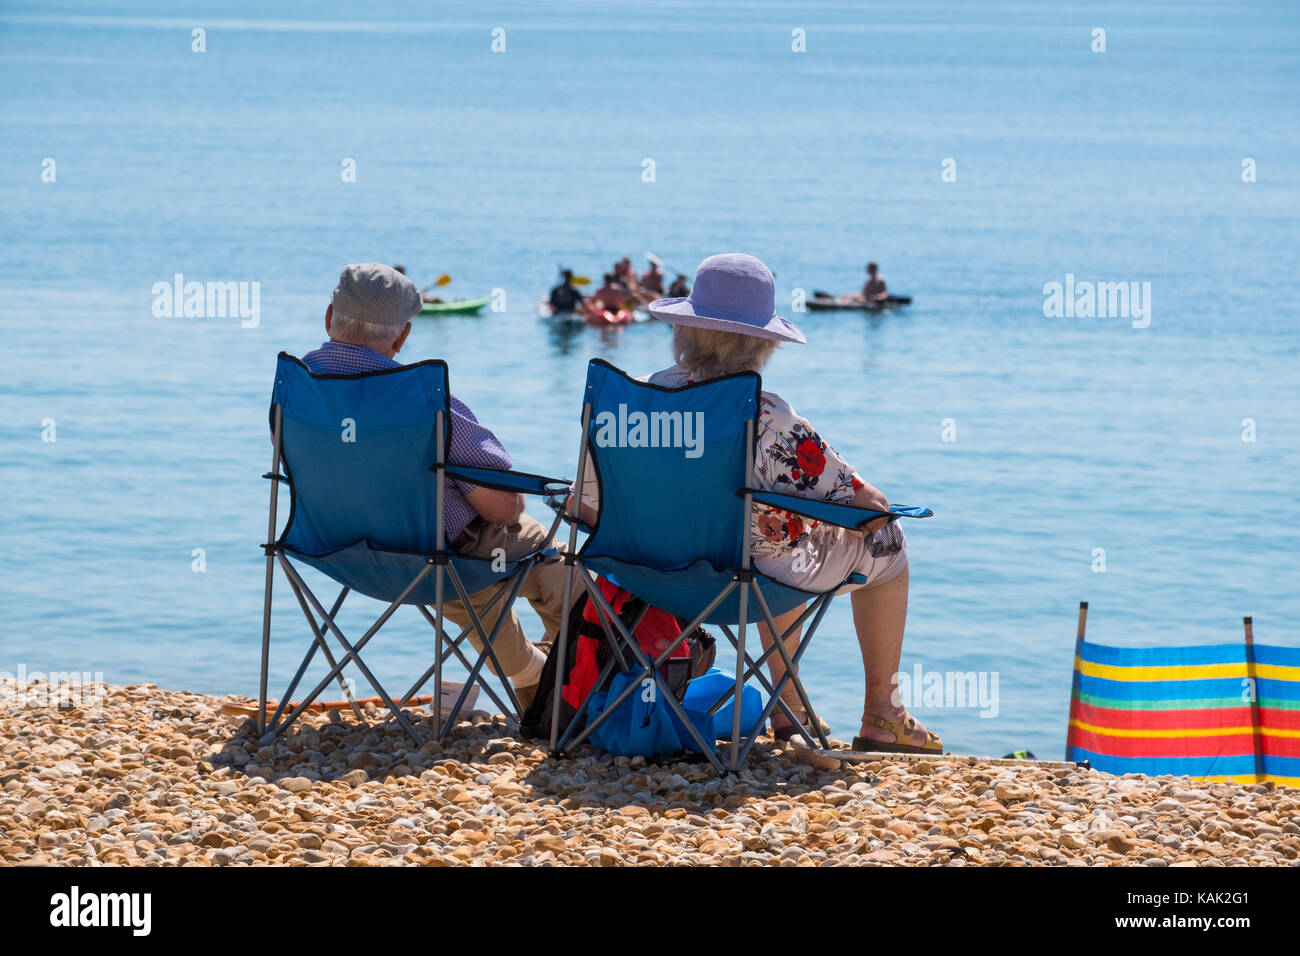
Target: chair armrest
{"points": [[845, 516], [503, 480], [557, 501]]}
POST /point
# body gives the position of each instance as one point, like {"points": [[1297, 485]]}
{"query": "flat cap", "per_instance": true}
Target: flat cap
{"points": [[376, 293]]}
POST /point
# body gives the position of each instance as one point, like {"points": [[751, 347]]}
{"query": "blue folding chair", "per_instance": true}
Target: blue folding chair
{"points": [[356, 452], [675, 472]]}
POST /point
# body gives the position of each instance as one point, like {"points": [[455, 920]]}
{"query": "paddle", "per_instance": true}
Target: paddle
{"points": [[576, 280], [663, 266]]}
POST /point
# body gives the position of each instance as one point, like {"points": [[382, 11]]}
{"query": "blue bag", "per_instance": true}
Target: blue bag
{"points": [[642, 725], [699, 697], [645, 726]]}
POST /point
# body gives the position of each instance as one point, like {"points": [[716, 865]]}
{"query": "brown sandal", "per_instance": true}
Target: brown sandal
{"points": [[902, 742], [790, 731]]}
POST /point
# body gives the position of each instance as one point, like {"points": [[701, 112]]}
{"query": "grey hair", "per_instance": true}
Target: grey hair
{"points": [[710, 353], [344, 328]]}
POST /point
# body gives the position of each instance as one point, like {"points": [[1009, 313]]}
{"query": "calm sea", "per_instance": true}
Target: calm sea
{"points": [[1081, 443]]}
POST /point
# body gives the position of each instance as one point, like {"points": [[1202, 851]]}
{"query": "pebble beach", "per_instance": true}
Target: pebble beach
{"points": [[156, 777]]}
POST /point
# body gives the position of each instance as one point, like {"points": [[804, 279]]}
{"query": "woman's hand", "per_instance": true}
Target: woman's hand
{"points": [[585, 513]]}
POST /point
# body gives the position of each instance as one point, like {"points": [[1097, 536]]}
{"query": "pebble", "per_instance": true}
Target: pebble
{"points": [[163, 778]]}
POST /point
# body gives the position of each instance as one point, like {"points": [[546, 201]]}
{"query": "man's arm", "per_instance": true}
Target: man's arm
{"points": [[495, 506], [472, 444]]}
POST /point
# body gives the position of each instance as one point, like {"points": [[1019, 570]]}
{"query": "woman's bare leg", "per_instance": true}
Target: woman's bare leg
{"points": [[879, 616], [776, 666]]}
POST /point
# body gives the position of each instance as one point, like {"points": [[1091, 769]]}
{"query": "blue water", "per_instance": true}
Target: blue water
{"points": [[1072, 434]]}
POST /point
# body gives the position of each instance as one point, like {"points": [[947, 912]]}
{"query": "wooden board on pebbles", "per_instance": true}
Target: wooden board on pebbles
{"points": [[873, 756]]}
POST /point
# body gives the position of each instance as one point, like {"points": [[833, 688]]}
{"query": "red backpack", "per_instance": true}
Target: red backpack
{"points": [[588, 652]]}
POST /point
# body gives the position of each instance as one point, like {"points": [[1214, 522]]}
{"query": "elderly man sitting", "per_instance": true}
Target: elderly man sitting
{"points": [[368, 321]]}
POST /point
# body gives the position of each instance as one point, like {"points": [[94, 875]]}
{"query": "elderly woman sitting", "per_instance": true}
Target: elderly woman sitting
{"points": [[793, 459]]}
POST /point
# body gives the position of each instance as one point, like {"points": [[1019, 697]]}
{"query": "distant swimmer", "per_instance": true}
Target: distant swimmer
{"points": [[679, 289], [564, 297], [874, 290], [653, 279]]}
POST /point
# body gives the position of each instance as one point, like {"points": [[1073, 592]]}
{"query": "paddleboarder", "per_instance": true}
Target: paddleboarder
{"points": [[874, 290]]}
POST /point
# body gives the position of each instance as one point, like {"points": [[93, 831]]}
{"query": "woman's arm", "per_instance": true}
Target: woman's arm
{"points": [[587, 512], [869, 496]]}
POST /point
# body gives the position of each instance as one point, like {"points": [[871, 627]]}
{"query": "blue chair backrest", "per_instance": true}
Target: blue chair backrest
{"points": [[357, 451], [669, 461]]}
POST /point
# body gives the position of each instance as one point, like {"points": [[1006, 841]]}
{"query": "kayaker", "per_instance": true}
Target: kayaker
{"points": [[564, 297], [874, 289], [653, 280], [679, 289], [729, 324], [611, 295], [624, 274]]}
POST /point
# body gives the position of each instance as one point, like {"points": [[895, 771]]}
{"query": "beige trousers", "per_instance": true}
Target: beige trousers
{"points": [[543, 588]]}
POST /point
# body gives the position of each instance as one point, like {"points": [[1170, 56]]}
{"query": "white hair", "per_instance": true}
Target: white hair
{"points": [[345, 328], [710, 353]]}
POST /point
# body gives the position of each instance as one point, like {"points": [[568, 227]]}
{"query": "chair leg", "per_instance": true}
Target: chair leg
{"points": [[318, 643], [440, 638], [790, 675], [438, 599], [792, 665], [740, 677], [353, 652], [266, 640], [488, 650], [565, 740], [754, 669], [649, 669], [452, 648], [562, 648]]}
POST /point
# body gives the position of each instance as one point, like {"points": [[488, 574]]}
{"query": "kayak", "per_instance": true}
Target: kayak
{"points": [[604, 317], [459, 307], [588, 316], [849, 304], [545, 311]]}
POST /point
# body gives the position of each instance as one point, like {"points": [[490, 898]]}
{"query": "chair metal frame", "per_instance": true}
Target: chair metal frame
{"points": [[438, 564], [746, 666]]}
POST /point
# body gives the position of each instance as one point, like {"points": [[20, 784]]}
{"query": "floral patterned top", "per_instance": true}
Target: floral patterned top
{"points": [[791, 458]]}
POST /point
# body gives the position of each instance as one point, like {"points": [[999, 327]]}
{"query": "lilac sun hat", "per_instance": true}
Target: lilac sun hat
{"points": [[733, 292]]}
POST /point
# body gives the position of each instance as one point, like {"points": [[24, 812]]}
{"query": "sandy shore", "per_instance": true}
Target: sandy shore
{"points": [[162, 777]]}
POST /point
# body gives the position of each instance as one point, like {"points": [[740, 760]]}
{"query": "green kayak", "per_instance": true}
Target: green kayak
{"points": [[460, 307]]}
